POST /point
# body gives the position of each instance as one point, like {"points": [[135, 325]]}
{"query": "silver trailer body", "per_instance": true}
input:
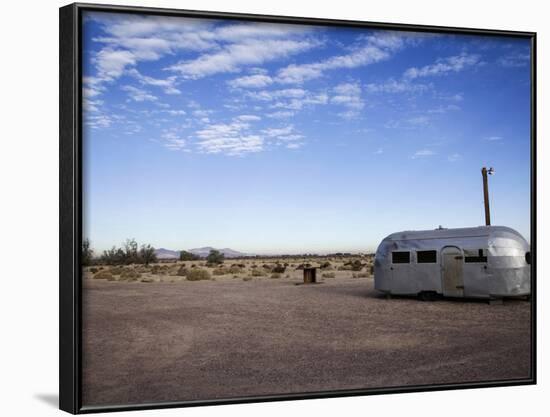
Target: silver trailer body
{"points": [[481, 262]]}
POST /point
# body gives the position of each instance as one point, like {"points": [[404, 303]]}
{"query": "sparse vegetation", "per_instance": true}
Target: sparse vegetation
{"points": [[182, 271], [146, 255], [328, 275], [129, 254], [130, 275], [188, 256], [215, 257], [198, 274], [256, 273], [103, 275], [87, 252], [275, 275], [279, 269]]}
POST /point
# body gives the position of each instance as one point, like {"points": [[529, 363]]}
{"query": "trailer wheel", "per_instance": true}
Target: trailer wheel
{"points": [[427, 296]]}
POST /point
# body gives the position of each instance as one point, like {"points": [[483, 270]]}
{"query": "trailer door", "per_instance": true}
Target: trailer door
{"points": [[452, 275]]}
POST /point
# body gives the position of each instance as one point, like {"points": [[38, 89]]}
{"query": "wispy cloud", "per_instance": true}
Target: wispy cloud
{"points": [[229, 138], [515, 60], [493, 138], [138, 94], [233, 56], [168, 85], [374, 48], [251, 81], [444, 66], [423, 153], [396, 86], [454, 157]]}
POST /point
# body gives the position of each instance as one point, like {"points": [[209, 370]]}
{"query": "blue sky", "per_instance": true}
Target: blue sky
{"points": [[289, 139]]}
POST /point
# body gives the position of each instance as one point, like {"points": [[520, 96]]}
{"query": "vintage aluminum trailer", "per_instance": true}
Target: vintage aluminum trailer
{"points": [[484, 262]]}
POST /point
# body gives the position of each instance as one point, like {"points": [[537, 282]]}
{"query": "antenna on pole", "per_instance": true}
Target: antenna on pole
{"points": [[484, 172]]}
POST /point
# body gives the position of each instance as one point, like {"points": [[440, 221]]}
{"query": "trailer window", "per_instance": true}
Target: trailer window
{"points": [[475, 256], [426, 256], [401, 257], [528, 257]]}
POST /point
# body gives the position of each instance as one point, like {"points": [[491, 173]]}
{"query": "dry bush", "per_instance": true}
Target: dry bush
{"points": [[328, 275], [256, 273], [198, 275], [236, 269], [221, 271], [326, 265], [360, 275], [247, 278], [182, 271], [130, 275], [116, 270], [279, 269], [94, 270], [103, 275], [147, 279], [275, 275]]}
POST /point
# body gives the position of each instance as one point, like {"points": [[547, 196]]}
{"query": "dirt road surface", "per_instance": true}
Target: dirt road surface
{"points": [[151, 342]]}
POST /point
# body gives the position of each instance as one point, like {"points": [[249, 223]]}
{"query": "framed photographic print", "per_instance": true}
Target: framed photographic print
{"points": [[259, 208]]}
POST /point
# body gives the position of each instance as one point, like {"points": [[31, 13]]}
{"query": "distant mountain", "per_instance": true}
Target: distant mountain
{"points": [[202, 252], [167, 254], [228, 253]]}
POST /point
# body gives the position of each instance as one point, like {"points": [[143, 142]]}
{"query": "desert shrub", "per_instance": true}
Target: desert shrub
{"points": [[355, 265], [235, 269], [279, 269], [253, 266], [130, 275], [193, 266], [146, 255], [215, 257], [275, 275], [182, 271], [360, 275], [256, 273], [286, 264], [116, 270], [328, 275], [103, 275], [93, 270], [198, 275], [325, 265], [147, 279], [247, 278], [302, 266], [266, 266], [188, 256], [87, 252], [220, 271]]}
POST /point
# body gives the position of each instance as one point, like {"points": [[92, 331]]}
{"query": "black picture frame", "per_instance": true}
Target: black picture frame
{"points": [[70, 203]]}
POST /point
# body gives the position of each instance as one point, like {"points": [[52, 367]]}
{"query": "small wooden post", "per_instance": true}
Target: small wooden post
{"points": [[310, 275], [486, 196]]}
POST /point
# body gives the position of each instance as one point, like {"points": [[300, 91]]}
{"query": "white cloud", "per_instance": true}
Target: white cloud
{"points": [[375, 48], [395, 86], [248, 118], [274, 132], [348, 95], [419, 120], [251, 81], [454, 157], [138, 94], [514, 60], [229, 138], [444, 66], [233, 56], [168, 85], [111, 63], [493, 138], [379, 151], [98, 121], [280, 114], [295, 145], [173, 142], [423, 153]]}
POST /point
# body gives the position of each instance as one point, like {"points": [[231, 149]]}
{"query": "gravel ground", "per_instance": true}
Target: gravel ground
{"points": [[151, 342]]}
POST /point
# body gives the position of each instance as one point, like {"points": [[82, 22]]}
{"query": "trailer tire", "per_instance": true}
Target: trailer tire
{"points": [[427, 296]]}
